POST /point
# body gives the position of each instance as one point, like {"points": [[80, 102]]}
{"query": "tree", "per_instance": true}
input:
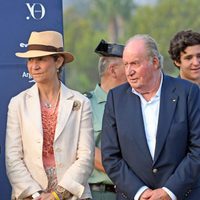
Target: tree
{"points": [[112, 15], [88, 22], [81, 38], [162, 21], [85, 24]]}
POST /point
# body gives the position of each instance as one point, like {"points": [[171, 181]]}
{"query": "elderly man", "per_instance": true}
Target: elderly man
{"points": [[112, 74], [151, 130]]}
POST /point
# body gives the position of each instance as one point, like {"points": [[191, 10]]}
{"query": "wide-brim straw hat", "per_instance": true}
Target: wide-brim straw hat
{"points": [[45, 43]]}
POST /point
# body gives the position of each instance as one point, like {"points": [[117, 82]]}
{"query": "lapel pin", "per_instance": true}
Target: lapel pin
{"points": [[76, 105]]}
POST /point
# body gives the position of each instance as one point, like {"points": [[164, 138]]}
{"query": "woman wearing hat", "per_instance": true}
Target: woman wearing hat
{"points": [[49, 139]]}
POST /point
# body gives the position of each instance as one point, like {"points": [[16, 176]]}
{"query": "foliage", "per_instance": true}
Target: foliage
{"points": [[85, 26], [80, 38], [83, 30], [163, 20], [112, 14]]}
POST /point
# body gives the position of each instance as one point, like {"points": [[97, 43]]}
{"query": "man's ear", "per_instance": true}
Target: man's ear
{"points": [[177, 64], [112, 70], [155, 62]]}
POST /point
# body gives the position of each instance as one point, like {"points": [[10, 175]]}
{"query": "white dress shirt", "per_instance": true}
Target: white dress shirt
{"points": [[150, 113]]}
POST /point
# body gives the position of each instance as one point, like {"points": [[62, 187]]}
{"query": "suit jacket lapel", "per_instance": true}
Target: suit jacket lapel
{"points": [[64, 110], [136, 124], [168, 104], [33, 108]]}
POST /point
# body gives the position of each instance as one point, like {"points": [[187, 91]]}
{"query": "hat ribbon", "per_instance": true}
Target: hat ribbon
{"points": [[44, 48]]}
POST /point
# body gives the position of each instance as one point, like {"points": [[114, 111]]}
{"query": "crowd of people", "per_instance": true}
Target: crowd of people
{"points": [[136, 136]]}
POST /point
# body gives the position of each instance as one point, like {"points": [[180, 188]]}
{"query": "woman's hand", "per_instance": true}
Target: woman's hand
{"points": [[45, 196]]}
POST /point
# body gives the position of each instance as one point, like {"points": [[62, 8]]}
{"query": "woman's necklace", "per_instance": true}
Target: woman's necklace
{"points": [[49, 105]]}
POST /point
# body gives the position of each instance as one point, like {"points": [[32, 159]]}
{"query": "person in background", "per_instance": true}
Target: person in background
{"points": [[112, 74], [151, 130], [49, 139], [184, 50]]}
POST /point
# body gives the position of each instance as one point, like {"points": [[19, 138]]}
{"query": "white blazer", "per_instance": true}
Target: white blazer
{"points": [[73, 144]]}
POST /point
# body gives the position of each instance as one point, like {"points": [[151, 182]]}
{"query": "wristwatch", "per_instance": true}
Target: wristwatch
{"points": [[60, 189], [35, 195], [62, 192]]}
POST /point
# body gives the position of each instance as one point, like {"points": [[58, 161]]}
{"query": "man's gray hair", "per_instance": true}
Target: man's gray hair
{"points": [[104, 62], [151, 45]]}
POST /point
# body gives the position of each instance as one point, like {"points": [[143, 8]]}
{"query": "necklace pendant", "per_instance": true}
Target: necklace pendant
{"points": [[47, 105]]}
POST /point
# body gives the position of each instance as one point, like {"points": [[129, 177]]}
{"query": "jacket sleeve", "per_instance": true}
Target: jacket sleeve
{"points": [[115, 165], [20, 178], [187, 172]]}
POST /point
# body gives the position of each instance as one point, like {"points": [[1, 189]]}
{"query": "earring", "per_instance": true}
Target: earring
{"points": [[57, 70]]}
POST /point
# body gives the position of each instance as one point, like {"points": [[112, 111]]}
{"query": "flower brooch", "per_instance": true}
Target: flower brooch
{"points": [[76, 105]]}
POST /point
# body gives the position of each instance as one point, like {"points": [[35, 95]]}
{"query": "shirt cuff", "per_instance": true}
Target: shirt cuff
{"points": [[139, 192], [170, 193]]}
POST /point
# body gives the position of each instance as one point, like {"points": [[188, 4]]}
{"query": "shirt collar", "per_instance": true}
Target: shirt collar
{"points": [[100, 94], [179, 76]]}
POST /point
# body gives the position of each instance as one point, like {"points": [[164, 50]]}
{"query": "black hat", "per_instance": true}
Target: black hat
{"points": [[108, 49]]}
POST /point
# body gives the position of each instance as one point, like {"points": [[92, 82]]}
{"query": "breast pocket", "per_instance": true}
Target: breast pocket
{"points": [[178, 130]]}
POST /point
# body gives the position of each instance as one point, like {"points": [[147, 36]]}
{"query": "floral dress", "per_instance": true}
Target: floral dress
{"points": [[49, 121]]}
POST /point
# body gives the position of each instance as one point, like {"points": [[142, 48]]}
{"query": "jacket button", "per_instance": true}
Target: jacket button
{"points": [[155, 170], [124, 195]]}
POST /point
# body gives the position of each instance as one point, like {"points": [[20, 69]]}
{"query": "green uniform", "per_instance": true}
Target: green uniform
{"points": [[98, 100]]}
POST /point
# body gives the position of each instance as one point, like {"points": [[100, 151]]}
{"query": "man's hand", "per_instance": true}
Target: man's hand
{"points": [[159, 194], [98, 160], [46, 196], [146, 194]]}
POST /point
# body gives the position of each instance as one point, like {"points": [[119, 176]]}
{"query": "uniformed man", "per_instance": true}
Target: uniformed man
{"points": [[111, 74]]}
